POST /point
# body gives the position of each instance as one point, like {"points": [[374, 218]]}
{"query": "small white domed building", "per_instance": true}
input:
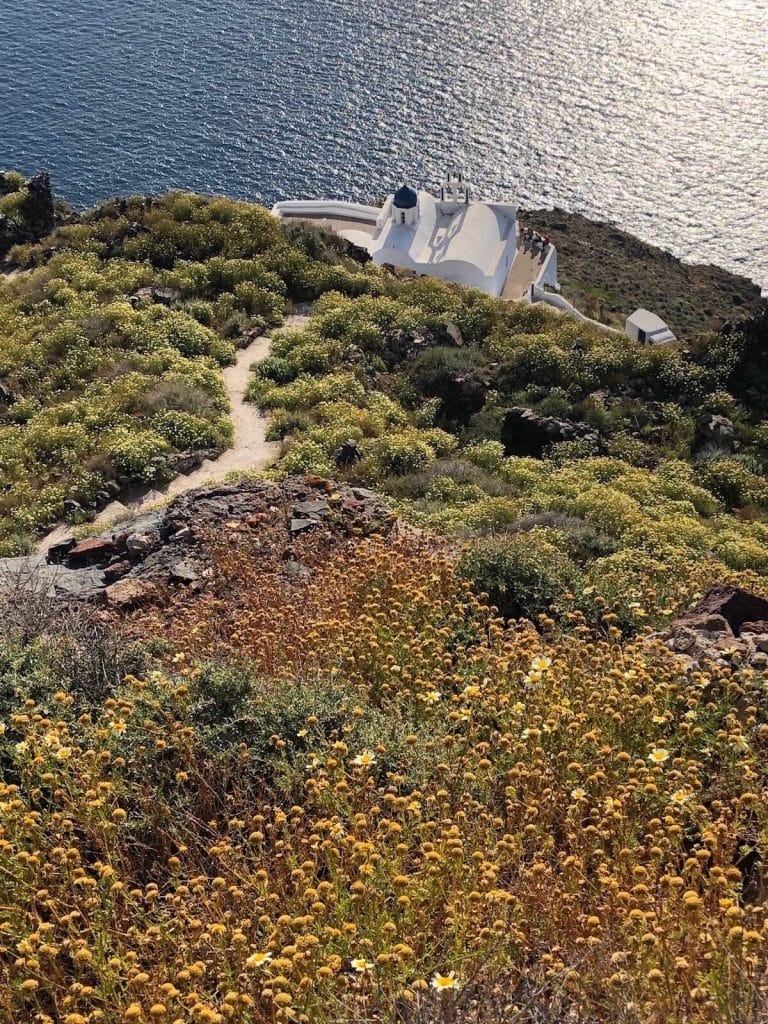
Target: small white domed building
{"points": [[449, 235]]}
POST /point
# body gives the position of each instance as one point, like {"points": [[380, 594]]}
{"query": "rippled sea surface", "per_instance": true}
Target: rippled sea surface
{"points": [[650, 113]]}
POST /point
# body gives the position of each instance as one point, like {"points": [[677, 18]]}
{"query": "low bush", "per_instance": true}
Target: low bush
{"points": [[523, 575]]}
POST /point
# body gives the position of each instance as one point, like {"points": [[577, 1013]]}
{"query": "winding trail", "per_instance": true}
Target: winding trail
{"points": [[250, 449]]}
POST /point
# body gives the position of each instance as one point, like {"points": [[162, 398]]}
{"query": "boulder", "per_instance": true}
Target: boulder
{"points": [[357, 253], [77, 585], [90, 552], [184, 571], [400, 344], [462, 395], [314, 508], [728, 626], [57, 553], [760, 628], [129, 593], [187, 462], [705, 622], [299, 525], [139, 545], [153, 293], [525, 432], [117, 570], [713, 431], [248, 337], [347, 454], [296, 571], [735, 605]]}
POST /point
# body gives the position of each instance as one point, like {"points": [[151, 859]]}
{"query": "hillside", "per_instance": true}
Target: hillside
{"points": [[455, 714], [608, 273]]}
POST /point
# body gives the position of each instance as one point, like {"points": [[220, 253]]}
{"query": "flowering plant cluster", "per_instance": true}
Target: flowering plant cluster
{"points": [[365, 790]]}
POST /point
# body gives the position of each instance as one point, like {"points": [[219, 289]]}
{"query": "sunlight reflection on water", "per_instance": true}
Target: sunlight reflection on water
{"points": [[650, 113]]}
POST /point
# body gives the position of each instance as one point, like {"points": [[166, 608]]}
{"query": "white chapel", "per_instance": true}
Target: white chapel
{"points": [[448, 234]]}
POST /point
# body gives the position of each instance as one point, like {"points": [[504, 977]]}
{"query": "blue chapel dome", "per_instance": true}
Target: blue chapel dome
{"points": [[405, 198]]}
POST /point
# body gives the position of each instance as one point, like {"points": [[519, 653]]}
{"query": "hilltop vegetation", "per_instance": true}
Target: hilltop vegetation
{"points": [[355, 794], [111, 346], [428, 776], [635, 508]]}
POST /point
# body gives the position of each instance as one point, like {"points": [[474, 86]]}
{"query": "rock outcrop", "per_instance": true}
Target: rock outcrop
{"points": [[162, 296], [728, 626], [462, 395], [525, 432], [401, 344], [35, 217], [714, 433], [127, 564]]}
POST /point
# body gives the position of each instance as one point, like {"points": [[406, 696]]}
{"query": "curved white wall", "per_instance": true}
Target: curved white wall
{"points": [[326, 208]]}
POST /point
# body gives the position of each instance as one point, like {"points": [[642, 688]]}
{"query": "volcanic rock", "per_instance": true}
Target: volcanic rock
{"points": [[729, 625], [90, 552], [35, 217], [184, 572], [735, 605], [525, 432], [127, 593], [57, 553], [169, 547], [139, 545], [347, 454], [754, 627], [714, 432], [116, 571], [400, 344], [153, 293], [300, 525]]}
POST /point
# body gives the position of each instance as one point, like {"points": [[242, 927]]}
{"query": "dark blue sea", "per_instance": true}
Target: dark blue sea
{"points": [[650, 113]]}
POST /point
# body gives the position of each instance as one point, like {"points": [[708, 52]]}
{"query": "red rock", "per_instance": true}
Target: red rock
{"points": [[735, 605], [117, 570], [89, 552], [708, 622]]}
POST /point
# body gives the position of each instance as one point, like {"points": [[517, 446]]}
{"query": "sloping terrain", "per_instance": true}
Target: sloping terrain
{"points": [[456, 713], [608, 273]]}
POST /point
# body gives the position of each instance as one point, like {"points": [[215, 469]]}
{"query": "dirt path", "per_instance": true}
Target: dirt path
{"points": [[250, 449]]}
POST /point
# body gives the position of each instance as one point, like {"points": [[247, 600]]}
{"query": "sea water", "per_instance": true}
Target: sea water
{"points": [[649, 113]]}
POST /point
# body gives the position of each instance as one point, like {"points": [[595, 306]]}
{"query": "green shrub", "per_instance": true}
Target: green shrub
{"points": [[631, 450], [523, 575], [733, 482], [183, 430], [283, 422], [278, 370], [12, 204], [486, 454], [398, 453], [133, 452], [11, 181], [306, 456]]}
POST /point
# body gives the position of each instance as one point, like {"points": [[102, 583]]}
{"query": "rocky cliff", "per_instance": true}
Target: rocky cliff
{"points": [[32, 214], [128, 563]]}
